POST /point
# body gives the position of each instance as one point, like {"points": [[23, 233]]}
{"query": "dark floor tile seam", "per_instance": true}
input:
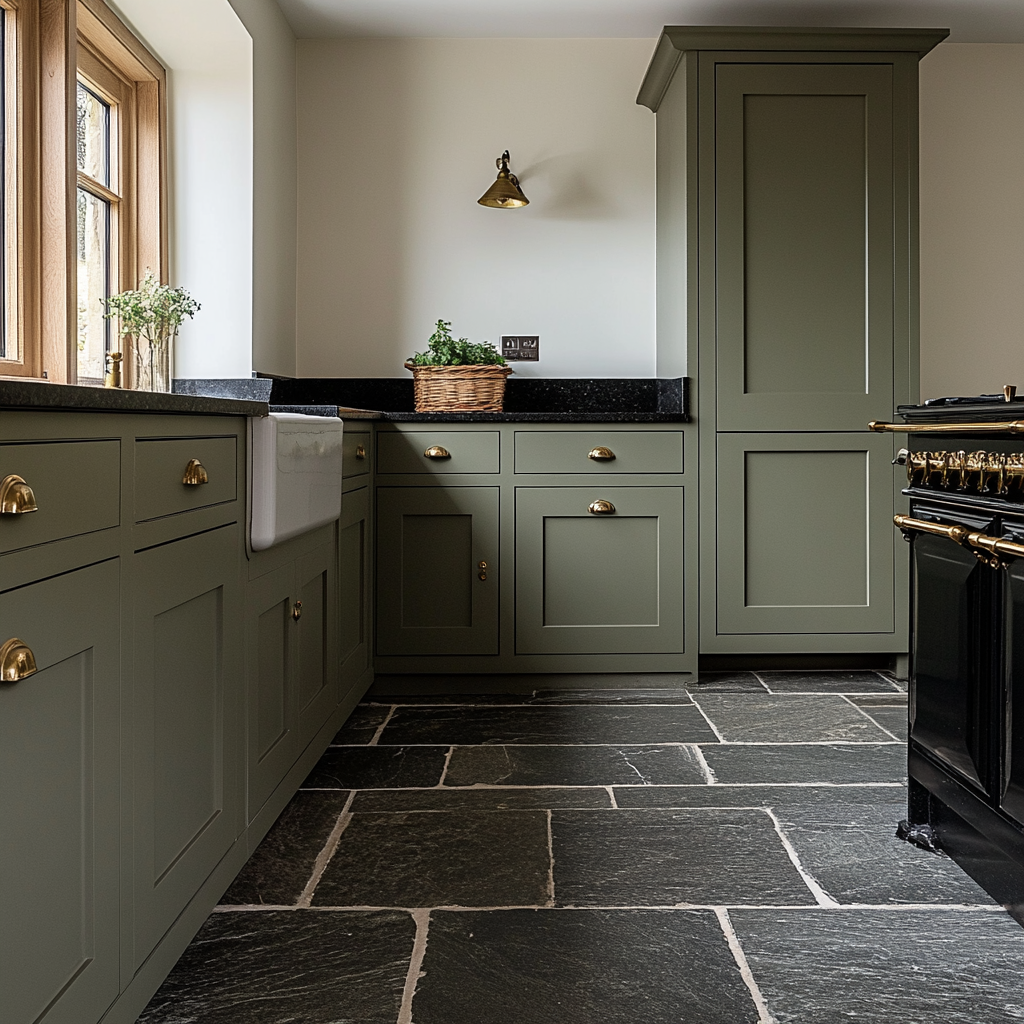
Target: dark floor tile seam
{"points": [[551, 862], [444, 770], [822, 898], [711, 725], [478, 787], [380, 728], [762, 682], [415, 972], [562, 704], [864, 712], [323, 858], [838, 908], [777, 743], [736, 948], [709, 773]]}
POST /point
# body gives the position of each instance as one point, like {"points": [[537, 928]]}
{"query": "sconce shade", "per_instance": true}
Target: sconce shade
{"points": [[505, 193]]}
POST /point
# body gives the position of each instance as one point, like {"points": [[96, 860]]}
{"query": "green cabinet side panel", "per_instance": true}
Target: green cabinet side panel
{"points": [[354, 586], [188, 722], [430, 543], [599, 584], [469, 451], [59, 801], [77, 486], [567, 451], [804, 530], [804, 255]]}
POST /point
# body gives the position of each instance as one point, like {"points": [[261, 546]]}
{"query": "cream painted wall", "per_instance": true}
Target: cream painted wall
{"points": [[397, 140], [972, 219]]}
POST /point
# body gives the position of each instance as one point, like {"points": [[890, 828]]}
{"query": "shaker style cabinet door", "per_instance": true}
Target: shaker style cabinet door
{"points": [[316, 645], [188, 727], [599, 570], [354, 587], [437, 570], [804, 257], [60, 801]]}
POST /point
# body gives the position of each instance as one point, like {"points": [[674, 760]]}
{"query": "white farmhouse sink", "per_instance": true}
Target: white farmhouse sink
{"points": [[296, 466]]}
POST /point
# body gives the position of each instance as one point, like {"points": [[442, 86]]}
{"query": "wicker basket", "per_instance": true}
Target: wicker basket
{"points": [[476, 388]]}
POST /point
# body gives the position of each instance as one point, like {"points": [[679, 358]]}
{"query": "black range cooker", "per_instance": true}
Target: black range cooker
{"points": [[965, 474]]}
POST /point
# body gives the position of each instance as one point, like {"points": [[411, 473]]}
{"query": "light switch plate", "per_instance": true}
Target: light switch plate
{"points": [[520, 347]]}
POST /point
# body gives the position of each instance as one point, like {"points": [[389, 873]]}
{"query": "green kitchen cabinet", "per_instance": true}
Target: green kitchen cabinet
{"points": [[60, 773], [187, 723], [355, 578], [437, 570], [599, 570]]}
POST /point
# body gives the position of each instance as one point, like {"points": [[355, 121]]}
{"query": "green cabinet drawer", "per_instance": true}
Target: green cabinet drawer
{"points": [[462, 451], [569, 451], [160, 465], [356, 452], [77, 486]]}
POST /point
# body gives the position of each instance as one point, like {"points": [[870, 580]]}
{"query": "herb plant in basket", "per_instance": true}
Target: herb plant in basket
{"points": [[457, 375]]}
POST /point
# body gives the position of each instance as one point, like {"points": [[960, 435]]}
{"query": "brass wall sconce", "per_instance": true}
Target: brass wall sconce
{"points": [[505, 193]]}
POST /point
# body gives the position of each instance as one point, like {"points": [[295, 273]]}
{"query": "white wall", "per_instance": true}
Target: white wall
{"points": [[397, 141], [972, 219]]}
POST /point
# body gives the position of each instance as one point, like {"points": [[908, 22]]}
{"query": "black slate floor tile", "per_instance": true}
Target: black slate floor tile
{"points": [[756, 796], [272, 967], [885, 966], [440, 859], [669, 857], [496, 799], [362, 724], [842, 763], [630, 695], [377, 768], [546, 725], [726, 682], [827, 682], [853, 853], [890, 712], [675, 695], [573, 766], [768, 718], [579, 967], [282, 864]]}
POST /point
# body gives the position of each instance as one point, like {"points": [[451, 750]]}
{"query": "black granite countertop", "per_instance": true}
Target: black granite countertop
{"points": [[16, 394]]}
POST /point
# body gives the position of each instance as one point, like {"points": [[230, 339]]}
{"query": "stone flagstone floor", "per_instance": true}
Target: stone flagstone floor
{"points": [[717, 855]]}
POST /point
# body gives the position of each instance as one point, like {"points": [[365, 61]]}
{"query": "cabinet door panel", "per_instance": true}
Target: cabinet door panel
{"points": [[316, 640], [60, 801], [599, 584], [805, 257], [187, 717], [804, 534], [430, 599], [353, 586]]}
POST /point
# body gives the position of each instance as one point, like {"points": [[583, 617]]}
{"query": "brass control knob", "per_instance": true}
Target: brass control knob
{"points": [[482, 574], [195, 474], [360, 453], [435, 451], [17, 661], [601, 454], [297, 611], [601, 507], [16, 497]]}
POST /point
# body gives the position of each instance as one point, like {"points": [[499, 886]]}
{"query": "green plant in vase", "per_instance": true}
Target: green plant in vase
{"points": [[150, 317]]}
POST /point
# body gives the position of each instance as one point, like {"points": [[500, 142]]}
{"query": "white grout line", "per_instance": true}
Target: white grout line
{"points": [[709, 772], [823, 898], [485, 786], [768, 689], [638, 743], [551, 864], [444, 770], [896, 688], [419, 949], [763, 1016], [611, 794], [870, 719], [714, 728], [323, 858], [382, 726]]}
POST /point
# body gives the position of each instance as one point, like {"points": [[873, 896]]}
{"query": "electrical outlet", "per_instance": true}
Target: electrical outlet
{"points": [[520, 347]]}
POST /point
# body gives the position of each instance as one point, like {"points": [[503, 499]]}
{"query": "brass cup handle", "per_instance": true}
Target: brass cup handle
{"points": [[435, 451], [601, 507], [16, 497], [195, 474], [360, 453], [601, 454], [297, 611], [17, 661]]}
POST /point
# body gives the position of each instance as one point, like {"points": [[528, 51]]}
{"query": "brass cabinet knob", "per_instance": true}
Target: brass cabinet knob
{"points": [[17, 661], [482, 574], [360, 453], [435, 451], [601, 507], [16, 497], [297, 611], [601, 454], [195, 474]]}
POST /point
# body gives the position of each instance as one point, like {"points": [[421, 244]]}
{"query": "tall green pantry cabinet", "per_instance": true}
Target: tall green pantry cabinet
{"points": [[787, 289]]}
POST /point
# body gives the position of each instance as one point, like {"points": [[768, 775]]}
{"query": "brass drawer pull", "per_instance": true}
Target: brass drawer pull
{"points": [[16, 497], [601, 507], [297, 611], [360, 453], [435, 451], [989, 548], [195, 474], [17, 661], [601, 454]]}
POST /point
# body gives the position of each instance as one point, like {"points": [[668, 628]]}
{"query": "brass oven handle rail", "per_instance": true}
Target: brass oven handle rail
{"points": [[988, 548], [1011, 427]]}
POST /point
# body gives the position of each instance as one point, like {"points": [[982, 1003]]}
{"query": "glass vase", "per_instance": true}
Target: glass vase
{"points": [[152, 365]]}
